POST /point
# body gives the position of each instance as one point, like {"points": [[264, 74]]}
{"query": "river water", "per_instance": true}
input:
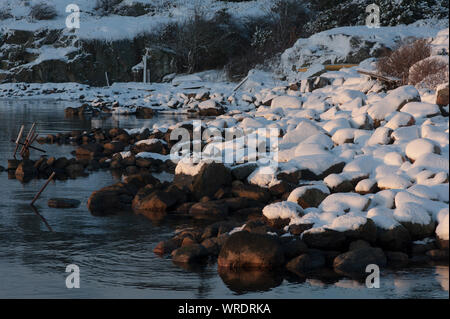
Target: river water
{"points": [[115, 254]]}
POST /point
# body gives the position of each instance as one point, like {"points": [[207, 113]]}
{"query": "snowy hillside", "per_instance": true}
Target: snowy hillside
{"points": [[95, 24]]}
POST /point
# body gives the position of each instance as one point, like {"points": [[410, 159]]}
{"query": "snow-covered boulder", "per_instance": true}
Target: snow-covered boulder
{"points": [[394, 101], [286, 102], [309, 195], [415, 219], [419, 147]]}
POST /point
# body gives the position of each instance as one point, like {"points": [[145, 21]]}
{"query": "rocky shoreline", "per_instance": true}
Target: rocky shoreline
{"points": [[232, 220]]}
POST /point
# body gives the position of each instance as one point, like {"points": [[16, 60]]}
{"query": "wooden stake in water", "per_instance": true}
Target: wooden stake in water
{"points": [[42, 189], [107, 79], [19, 136]]}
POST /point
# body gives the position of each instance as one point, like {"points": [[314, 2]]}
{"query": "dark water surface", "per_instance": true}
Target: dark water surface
{"points": [[115, 253]]}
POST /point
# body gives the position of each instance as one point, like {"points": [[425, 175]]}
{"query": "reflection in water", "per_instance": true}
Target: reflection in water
{"points": [[244, 280], [442, 275], [35, 210], [115, 254]]}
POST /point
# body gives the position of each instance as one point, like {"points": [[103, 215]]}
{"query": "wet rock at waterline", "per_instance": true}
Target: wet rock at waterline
{"points": [[249, 250], [63, 203], [354, 262]]}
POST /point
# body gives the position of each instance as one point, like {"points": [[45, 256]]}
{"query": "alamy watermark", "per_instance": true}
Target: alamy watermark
{"points": [[73, 279], [373, 279], [73, 19], [373, 19]]}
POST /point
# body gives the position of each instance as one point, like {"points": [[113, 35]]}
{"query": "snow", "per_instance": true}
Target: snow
{"points": [[393, 102], [383, 217], [442, 229], [412, 213], [187, 166], [300, 191], [393, 182], [344, 202], [334, 45], [150, 141], [420, 109], [286, 102], [283, 210], [419, 147], [348, 221], [365, 185]]}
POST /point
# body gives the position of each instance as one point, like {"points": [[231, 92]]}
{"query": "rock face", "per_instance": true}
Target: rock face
{"points": [[354, 262], [250, 250], [88, 62]]}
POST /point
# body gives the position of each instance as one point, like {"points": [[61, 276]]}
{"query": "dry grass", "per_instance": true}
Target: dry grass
{"points": [[428, 73], [398, 62]]}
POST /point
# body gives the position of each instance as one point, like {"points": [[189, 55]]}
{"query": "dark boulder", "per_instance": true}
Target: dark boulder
{"points": [[354, 263], [249, 250], [306, 262], [326, 239], [209, 210], [253, 192], [189, 254]]}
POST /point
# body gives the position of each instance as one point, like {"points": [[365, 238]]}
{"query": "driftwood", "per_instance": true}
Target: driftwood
{"points": [[383, 78]]}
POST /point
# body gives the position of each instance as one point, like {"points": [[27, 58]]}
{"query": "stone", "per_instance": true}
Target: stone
{"points": [[157, 201], [114, 147], [367, 232], [210, 179], [358, 244], [249, 250], [63, 203], [354, 262], [92, 150], [13, 164], [294, 248], [299, 229], [308, 196], [253, 192], [442, 96], [397, 258], [306, 262], [110, 200], [241, 172], [74, 170], [395, 239], [26, 171], [209, 210], [327, 239], [189, 254], [166, 246], [438, 254]]}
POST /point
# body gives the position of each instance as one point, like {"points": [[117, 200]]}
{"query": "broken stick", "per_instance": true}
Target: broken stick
{"points": [[42, 189], [19, 136]]}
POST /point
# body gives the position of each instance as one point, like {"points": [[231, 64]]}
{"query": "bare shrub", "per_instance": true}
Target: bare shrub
{"points": [[42, 11], [398, 62], [429, 73]]}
